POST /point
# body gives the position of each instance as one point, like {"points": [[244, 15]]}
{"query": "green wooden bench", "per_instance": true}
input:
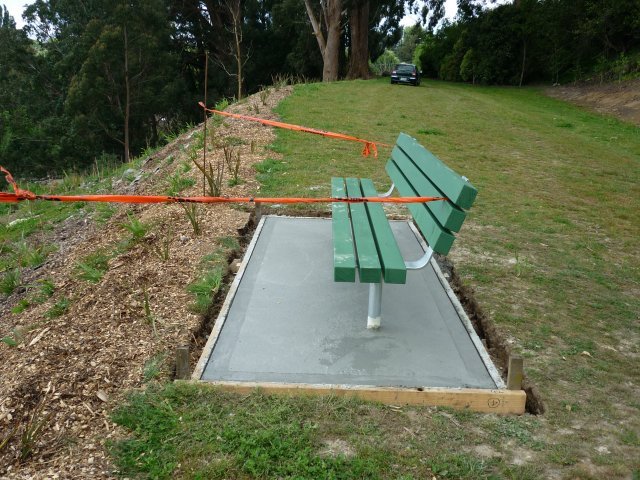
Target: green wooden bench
{"points": [[362, 236]]}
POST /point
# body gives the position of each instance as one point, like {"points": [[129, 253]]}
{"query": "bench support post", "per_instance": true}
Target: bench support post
{"points": [[375, 305]]}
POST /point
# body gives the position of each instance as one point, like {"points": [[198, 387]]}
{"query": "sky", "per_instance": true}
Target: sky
{"points": [[16, 7], [450, 7]]}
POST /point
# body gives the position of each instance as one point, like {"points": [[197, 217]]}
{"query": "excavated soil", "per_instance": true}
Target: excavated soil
{"points": [[618, 99]]}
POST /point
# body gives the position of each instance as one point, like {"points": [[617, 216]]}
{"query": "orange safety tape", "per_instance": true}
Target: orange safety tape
{"points": [[20, 195], [369, 146]]}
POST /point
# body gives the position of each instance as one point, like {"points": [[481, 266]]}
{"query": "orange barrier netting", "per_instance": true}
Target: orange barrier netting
{"points": [[369, 146], [21, 195]]}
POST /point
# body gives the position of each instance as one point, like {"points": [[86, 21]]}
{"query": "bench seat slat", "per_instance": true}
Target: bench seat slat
{"points": [[393, 267], [344, 259], [455, 188], [449, 215], [369, 267], [439, 238]]}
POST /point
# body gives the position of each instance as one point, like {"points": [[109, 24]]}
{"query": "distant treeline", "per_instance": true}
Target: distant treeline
{"points": [[96, 82], [553, 41]]}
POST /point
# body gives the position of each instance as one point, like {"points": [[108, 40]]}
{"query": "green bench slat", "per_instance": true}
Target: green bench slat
{"points": [[368, 262], [393, 267], [439, 238], [455, 188], [449, 215], [344, 259]]}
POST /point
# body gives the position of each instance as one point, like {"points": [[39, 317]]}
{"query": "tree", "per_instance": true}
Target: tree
{"points": [[327, 31], [125, 72], [235, 28], [411, 38], [359, 39]]}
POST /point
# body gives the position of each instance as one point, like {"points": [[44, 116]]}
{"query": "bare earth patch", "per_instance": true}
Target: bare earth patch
{"points": [[66, 373], [619, 99]]}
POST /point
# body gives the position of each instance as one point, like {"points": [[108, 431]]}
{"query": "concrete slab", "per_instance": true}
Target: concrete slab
{"points": [[289, 322]]}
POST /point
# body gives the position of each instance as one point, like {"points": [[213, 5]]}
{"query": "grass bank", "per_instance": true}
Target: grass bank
{"points": [[550, 250]]}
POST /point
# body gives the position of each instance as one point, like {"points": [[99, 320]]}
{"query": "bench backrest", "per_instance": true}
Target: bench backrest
{"points": [[417, 172]]}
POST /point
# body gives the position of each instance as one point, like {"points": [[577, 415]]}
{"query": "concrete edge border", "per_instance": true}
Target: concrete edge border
{"points": [[222, 316], [484, 355]]}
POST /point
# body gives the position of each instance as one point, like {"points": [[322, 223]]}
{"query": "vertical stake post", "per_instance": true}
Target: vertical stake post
{"points": [[204, 111], [182, 363], [515, 373]]}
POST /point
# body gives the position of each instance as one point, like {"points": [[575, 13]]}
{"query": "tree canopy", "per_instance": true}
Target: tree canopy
{"points": [[87, 80]]}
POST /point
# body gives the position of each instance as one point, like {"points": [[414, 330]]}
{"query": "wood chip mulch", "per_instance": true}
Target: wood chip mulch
{"points": [[67, 373]]}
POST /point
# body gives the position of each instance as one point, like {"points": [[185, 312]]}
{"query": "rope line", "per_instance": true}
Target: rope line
{"points": [[20, 195], [369, 146]]}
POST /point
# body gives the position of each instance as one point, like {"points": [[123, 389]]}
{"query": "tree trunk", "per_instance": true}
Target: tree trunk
{"points": [[359, 51], [524, 60], [234, 9], [329, 48], [127, 101], [331, 57]]}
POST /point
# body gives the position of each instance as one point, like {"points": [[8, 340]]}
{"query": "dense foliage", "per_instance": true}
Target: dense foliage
{"points": [[88, 82], [536, 40], [95, 81]]}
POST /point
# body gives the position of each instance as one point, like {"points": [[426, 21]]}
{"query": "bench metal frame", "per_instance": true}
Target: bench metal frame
{"points": [[414, 171], [374, 314]]}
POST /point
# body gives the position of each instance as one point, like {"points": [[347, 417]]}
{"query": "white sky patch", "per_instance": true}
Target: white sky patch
{"points": [[16, 7], [450, 10]]}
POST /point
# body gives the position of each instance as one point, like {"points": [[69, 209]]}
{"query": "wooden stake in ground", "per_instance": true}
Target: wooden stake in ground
{"points": [[182, 363]]}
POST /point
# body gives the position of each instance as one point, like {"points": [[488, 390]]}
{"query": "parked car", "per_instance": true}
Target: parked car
{"points": [[406, 73]]}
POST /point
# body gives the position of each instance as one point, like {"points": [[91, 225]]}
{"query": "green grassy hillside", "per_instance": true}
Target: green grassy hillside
{"points": [[551, 251]]}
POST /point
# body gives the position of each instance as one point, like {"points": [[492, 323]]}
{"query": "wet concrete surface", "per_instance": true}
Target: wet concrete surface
{"points": [[290, 322]]}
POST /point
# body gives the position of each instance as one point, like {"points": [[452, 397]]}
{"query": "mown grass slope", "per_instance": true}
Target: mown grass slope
{"points": [[551, 251]]}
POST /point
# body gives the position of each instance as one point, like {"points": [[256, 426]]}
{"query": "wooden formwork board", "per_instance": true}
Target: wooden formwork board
{"points": [[499, 401]]}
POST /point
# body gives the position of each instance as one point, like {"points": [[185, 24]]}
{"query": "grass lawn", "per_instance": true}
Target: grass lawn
{"points": [[551, 251]]}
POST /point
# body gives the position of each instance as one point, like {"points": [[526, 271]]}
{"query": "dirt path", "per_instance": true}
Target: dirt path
{"points": [[620, 99]]}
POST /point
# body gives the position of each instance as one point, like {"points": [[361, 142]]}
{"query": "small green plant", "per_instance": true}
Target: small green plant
{"points": [[22, 305], [280, 80], [137, 229], [222, 104], [212, 177], [191, 210], [34, 429], [47, 287], [264, 95], [31, 256], [93, 267], [103, 212], [232, 160], [229, 243], [15, 338], [204, 289], [58, 309], [177, 183], [9, 341], [198, 138], [161, 249], [153, 367], [10, 281], [71, 181]]}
